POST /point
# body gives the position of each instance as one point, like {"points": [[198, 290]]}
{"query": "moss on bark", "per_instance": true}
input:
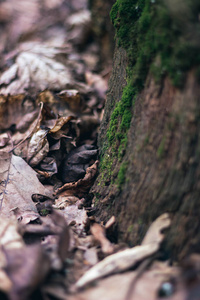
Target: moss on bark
{"points": [[150, 161]]}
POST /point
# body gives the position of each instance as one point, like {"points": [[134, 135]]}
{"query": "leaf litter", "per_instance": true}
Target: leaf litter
{"points": [[51, 99]]}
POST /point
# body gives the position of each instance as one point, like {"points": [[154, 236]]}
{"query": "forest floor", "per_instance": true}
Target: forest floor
{"points": [[52, 94]]}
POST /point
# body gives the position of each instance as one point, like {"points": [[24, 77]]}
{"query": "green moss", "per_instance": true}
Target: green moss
{"points": [[161, 37], [122, 174], [130, 228], [44, 212], [148, 30], [161, 148], [106, 169]]}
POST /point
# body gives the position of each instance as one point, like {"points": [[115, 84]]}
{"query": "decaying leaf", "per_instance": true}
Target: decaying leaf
{"points": [[22, 268], [38, 147], [100, 235], [117, 262], [73, 99], [57, 245], [35, 67], [82, 185], [18, 183], [62, 202], [123, 260], [154, 233], [77, 161], [12, 110], [74, 216]]}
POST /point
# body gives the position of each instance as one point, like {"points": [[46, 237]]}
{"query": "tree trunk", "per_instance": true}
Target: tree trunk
{"points": [[103, 30], [149, 138]]}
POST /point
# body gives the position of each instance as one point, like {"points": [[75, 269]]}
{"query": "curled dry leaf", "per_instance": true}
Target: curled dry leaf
{"points": [[154, 233], [128, 258], [61, 127], [100, 235], [76, 217], [117, 262], [82, 185], [38, 147], [18, 183]]}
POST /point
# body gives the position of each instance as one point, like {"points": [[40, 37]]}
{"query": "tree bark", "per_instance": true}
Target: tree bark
{"points": [[159, 169], [103, 30]]}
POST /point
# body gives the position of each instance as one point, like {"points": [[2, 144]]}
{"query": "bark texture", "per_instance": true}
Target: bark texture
{"points": [[103, 29], [160, 165]]}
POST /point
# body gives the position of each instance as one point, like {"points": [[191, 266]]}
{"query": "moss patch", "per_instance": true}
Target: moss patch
{"points": [[122, 174], [148, 29], [161, 37]]}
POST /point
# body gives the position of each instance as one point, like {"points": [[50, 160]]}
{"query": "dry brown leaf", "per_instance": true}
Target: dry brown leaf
{"points": [[123, 260], [26, 121], [18, 183], [61, 202], [82, 185], [38, 147], [117, 262], [100, 235], [35, 68], [12, 110], [77, 217], [22, 268], [73, 99], [57, 245]]}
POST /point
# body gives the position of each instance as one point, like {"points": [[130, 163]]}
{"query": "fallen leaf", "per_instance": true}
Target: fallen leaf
{"points": [[4, 139], [82, 185], [77, 161], [154, 233], [18, 183], [123, 260], [73, 99], [62, 202], [100, 235], [12, 110], [35, 67], [20, 265], [57, 245], [77, 217], [38, 147], [117, 262]]}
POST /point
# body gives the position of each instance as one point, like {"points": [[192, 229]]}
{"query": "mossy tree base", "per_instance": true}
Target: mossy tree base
{"points": [[149, 162]]}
